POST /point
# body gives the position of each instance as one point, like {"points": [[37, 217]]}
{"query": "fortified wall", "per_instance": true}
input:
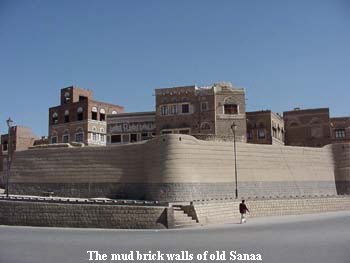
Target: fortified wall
{"points": [[179, 167]]}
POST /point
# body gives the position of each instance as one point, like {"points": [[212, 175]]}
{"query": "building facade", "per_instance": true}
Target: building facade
{"points": [[340, 129], [21, 139], [265, 127], [201, 110], [130, 127], [308, 127], [79, 118]]}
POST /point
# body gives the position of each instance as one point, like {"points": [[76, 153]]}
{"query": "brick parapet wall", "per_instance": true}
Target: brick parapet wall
{"points": [[226, 211], [81, 215]]}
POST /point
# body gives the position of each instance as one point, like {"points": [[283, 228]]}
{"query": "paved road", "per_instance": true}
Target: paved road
{"points": [[321, 238]]}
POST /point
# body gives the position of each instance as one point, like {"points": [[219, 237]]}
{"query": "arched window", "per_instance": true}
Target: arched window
{"points": [[261, 131], [102, 135], [54, 138], [114, 112], [102, 115], [80, 114], [54, 118], [230, 106], [66, 116], [94, 113], [79, 135], [94, 134], [65, 137], [66, 97]]}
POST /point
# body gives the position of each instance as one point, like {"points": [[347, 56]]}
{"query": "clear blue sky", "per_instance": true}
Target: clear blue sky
{"points": [[285, 53]]}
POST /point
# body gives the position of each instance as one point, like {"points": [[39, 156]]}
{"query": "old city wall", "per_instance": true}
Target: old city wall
{"points": [[182, 168]]}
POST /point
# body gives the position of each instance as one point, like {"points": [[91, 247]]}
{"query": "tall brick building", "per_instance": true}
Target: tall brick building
{"points": [[79, 118], [201, 110], [265, 127]]}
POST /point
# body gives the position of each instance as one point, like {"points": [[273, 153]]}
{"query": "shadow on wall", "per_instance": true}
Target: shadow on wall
{"points": [[341, 157]]}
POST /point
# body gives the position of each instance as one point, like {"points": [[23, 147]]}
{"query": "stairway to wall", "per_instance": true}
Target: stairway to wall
{"points": [[182, 219]]}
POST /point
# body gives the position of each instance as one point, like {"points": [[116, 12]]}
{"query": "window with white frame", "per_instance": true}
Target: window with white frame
{"points": [[261, 132], [94, 134], [80, 114], [54, 119], [102, 135], [339, 133], [102, 115], [173, 109], [164, 110], [65, 137], [54, 138], [79, 135], [94, 113]]}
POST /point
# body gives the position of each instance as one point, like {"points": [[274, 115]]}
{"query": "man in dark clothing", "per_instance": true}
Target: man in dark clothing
{"points": [[243, 210]]}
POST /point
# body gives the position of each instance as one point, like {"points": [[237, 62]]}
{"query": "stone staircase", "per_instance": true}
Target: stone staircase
{"points": [[181, 219]]}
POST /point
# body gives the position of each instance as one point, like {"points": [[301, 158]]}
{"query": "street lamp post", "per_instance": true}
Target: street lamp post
{"points": [[9, 153], [234, 127]]}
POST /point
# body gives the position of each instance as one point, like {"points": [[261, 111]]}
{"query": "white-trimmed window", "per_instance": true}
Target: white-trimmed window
{"points": [[173, 109], [102, 135], [164, 110], [339, 133], [94, 113], [65, 137], [54, 138], [102, 115], [79, 135], [80, 114], [261, 132], [94, 134], [66, 97], [114, 112], [54, 118]]}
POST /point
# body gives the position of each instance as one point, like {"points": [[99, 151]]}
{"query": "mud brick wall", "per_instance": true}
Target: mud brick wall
{"points": [[181, 168], [81, 215]]}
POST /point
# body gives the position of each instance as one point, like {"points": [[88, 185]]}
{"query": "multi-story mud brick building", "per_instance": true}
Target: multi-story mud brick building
{"points": [[265, 127], [130, 127], [79, 118], [309, 127], [201, 110]]}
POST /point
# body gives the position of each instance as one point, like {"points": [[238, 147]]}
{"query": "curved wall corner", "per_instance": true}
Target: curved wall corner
{"points": [[182, 168], [341, 155]]}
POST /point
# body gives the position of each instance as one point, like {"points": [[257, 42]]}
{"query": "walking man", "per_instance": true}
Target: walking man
{"points": [[243, 210]]}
